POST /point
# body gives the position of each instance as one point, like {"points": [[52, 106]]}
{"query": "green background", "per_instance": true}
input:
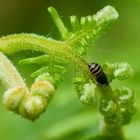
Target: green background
{"points": [[66, 118]]}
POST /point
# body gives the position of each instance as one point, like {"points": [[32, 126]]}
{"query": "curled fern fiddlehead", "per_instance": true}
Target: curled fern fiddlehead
{"points": [[114, 105], [29, 103]]}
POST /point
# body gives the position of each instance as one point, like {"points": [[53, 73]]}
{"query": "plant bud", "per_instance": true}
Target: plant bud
{"points": [[13, 97], [123, 71], [45, 77], [89, 94], [107, 108], [43, 88], [32, 106]]}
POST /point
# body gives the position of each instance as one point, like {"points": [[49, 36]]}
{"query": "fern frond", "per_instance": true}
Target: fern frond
{"points": [[35, 60], [40, 71], [54, 65], [54, 69], [87, 29], [43, 59], [59, 23]]}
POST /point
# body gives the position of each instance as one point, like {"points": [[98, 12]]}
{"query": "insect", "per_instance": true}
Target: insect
{"points": [[99, 74]]}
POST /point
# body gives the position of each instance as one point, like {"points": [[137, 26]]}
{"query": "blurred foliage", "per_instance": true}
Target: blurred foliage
{"points": [[65, 113]]}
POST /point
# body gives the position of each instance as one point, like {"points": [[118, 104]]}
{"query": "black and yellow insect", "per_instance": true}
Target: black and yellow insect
{"points": [[99, 74]]}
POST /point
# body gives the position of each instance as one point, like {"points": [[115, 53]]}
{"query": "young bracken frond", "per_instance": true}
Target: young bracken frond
{"points": [[87, 29], [92, 82]]}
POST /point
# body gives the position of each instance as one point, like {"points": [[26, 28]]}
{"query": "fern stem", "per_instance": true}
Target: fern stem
{"points": [[8, 73], [22, 42], [111, 133]]}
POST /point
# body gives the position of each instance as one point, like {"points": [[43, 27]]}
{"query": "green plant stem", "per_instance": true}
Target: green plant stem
{"points": [[111, 133], [23, 42], [8, 73]]}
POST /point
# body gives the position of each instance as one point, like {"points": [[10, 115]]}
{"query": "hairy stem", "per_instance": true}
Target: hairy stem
{"points": [[111, 132], [22, 42], [8, 73]]}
